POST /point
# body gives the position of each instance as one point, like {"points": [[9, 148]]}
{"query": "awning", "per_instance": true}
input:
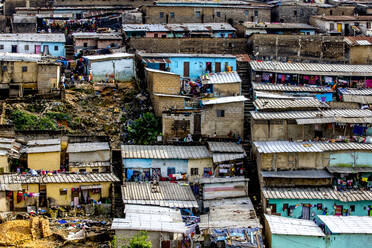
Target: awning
{"points": [[10, 187], [158, 60], [355, 120], [85, 187]]}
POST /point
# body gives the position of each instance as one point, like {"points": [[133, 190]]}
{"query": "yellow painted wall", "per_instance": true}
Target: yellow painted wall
{"points": [[53, 191], [29, 188], [44, 161], [4, 163], [200, 164]]}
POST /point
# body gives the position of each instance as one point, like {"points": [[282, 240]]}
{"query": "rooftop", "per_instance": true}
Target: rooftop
{"points": [[358, 40], [149, 218], [264, 104], [222, 100], [309, 193], [344, 18], [86, 35], [312, 68], [253, 25], [222, 78], [109, 56], [43, 142], [289, 88], [348, 224], [87, 147], [166, 194], [20, 57], [164, 152], [290, 226], [211, 180], [225, 157], [43, 149], [297, 174], [225, 147], [269, 95], [37, 37], [184, 27]]}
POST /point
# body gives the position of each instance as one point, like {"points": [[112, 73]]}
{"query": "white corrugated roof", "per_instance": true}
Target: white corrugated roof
{"points": [[312, 68], [164, 152], [289, 88], [225, 147], [290, 226], [87, 147], [176, 27], [262, 104], [263, 94], [348, 224], [358, 92], [297, 174], [222, 78], [222, 100], [44, 142], [43, 149], [223, 157], [109, 56], [35, 37], [343, 113]]}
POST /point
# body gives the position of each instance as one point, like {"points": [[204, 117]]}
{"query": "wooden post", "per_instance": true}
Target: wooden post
{"points": [[303, 132]]}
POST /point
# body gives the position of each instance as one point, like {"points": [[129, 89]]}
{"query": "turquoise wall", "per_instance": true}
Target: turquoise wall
{"points": [[351, 159], [350, 240], [329, 204], [292, 241]]}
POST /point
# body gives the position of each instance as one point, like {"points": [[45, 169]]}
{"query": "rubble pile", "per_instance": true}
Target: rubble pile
{"points": [[85, 110]]}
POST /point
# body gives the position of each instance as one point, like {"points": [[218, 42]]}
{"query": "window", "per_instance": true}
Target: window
{"points": [[1, 47], [63, 191], [82, 170], [85, 44], [218, 14], [27, 47], [55, 48], [246, 12], [163, 36], [295, 13], [331, 12], [24, 68], [171, 171], [95, 170], [207, 172], [161, 14], [331, 26], [171, 14], [5, 68], [301, 12], [352, 208], [197, 14], [220, 113], [256, 13], [194, 171], [156, 35]]}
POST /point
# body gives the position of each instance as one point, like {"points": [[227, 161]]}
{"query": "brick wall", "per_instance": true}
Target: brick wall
{"points": [[293, 13], [233, 119], [164, 83], [309, 48], [163, 103], [189, 45], [167, 124]]}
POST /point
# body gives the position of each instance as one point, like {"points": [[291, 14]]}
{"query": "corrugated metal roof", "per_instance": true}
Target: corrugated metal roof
{"points": [[285, 147], [164, 152], [357, 92], [87, 147], [289, 88], [290, 226], [357, 98], [348, 224], [222, 78], [286, 25], [225, 147], [177, 27], [20, 57], [149, 218], [90, 164], [262, 104], [160, 71], [58, 178], [297, 174], [293, 146], [35, 37], [334, 120], [44, 142], [358, 40], [224, 157], [317, 193], [262, 94], [229, 202], [312, 68], [109, 56], [166, 194], [207, 180], [93, 35], [343, 113], [43, 149], [222, 100], [346, 170]]}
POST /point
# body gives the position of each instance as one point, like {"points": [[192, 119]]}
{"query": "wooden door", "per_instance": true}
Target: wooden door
{"points": [[339, 27], [186, 69], [197, 124], [217, 66]]}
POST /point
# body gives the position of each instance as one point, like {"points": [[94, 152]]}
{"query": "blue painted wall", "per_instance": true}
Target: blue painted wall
{"points": [[181, 165], [295, 241], [60, 52], [361, 207], [197, 65], [351, 159]]}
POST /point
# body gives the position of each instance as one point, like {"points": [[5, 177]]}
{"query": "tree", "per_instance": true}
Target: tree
{"points": [[140, 241], [144, 130]]}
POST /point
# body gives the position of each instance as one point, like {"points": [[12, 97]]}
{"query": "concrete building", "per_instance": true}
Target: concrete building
{"points": [[117, 67], [249, 28], [24, 24], [215, 30], [46, 44], [94, 41], [204, 12], [165, 162], [343, 25], [44, 154], [359, 49]]}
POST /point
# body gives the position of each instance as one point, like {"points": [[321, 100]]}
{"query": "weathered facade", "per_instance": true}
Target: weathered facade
{"points": [[91, 41], [44, 154], [359, 49]]}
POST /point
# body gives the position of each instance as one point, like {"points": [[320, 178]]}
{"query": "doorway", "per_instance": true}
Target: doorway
{"points": [[186, 69], [43, 196], [338, 210], [37, 49], [208, 66], [14, 48], [305, 213], [162, 66], [197, 123], [217, 66]]}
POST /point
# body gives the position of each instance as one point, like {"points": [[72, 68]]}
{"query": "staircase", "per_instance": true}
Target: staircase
{"points": [[69, 51]]}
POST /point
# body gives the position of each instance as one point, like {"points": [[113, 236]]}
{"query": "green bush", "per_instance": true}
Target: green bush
{"points": [[144, 130]]}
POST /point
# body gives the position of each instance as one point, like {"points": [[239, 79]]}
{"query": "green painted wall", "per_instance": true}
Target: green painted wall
{"points": [[361, 207]]}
